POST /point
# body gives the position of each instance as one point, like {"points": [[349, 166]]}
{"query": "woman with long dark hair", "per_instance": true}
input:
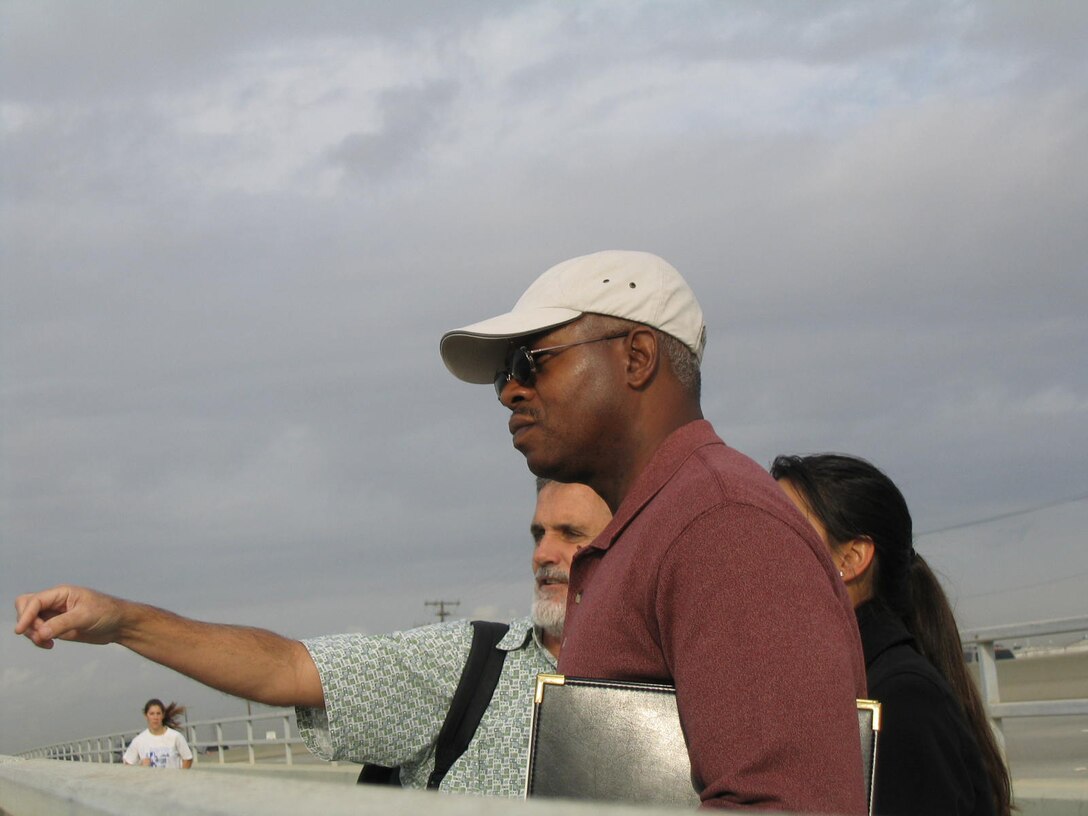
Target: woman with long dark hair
{"points": [[937, 754], [160, 745]]}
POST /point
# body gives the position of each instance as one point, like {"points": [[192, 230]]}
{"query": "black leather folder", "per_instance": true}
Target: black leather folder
{"points": [[622, 741], [610, 740]]}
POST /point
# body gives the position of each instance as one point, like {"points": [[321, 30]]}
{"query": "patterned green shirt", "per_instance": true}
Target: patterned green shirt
{"points": [[386, 697]]}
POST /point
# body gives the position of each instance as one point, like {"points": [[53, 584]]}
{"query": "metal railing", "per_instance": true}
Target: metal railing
{"points": [[273, 739], [275, 745], [985, 645]]}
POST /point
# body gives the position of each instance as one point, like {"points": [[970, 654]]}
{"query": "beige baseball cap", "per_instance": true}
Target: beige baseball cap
{"points": [[636, 286]]}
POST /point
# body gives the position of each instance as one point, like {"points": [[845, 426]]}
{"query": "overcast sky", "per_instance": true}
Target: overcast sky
{"points": [[233, 233]]}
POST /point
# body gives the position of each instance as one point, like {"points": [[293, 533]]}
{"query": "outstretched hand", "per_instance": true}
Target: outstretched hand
{"points": [[244, 661], [68, 613]]}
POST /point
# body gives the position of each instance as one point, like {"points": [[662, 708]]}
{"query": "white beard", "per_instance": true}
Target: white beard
{"points": [[549, 615], [549, 612]]}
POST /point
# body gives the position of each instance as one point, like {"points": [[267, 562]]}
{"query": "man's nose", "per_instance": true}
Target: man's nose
{"points": [[512, 393], [548, 552]]}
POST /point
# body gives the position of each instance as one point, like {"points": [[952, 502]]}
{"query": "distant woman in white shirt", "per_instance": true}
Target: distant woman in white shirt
{"points": [[159, 745]]}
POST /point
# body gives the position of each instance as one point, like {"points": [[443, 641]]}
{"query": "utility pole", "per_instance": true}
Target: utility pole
{"points": [[442, 613]]}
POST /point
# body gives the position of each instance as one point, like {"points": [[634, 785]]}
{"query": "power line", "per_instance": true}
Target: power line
{"points": [[1001, 516], [1006, 590]]}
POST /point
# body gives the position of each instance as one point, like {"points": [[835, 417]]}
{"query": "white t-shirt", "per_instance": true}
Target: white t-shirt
{"points": [[165, 750]]}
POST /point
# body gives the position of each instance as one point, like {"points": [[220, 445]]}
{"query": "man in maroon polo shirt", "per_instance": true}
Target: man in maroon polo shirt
{"points": [[707, 577]]}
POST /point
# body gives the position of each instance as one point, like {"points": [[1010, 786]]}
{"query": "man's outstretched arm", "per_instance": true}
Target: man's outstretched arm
{"points": [[251, 663]]}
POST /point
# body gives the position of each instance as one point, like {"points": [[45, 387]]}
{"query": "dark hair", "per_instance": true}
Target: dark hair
{"points": [[854, 499], [171, 714]]}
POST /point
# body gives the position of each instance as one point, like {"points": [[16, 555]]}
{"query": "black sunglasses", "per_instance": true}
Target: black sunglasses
{"points": [[523, 364]]}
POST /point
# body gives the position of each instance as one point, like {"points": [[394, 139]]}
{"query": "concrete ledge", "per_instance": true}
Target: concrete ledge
{"points": [[1052, 807], [1051, 797], [336, 774], [45, 787]]}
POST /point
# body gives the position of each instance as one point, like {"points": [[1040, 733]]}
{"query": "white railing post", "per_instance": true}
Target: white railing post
{"points": [[990, 687], [219, 743], [290, 759], [249, 742], [190, 737]]}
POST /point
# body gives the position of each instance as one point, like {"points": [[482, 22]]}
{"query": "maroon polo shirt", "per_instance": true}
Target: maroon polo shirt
{"points": [[709, 578]]}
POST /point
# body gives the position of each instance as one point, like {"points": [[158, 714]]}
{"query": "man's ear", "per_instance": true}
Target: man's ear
{"points": [[643, 356], [855, 557]]}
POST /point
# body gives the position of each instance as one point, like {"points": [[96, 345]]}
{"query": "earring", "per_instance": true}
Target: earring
{"points": [[841, 574]]}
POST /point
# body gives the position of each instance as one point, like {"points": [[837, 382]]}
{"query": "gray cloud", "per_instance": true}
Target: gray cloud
{"points": [[233, 233], [410, 116]]}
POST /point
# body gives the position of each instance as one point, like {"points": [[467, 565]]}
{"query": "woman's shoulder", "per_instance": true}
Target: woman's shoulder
{"points": [[893, 666], [902, 672], [917, 704]]}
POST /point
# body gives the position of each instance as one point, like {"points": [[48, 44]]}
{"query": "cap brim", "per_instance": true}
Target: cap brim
{"points": [[476, 353]]}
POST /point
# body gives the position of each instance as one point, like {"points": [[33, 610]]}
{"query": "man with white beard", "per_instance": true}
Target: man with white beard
{"points": [[422, 665], [568, 516], [372, 699]]}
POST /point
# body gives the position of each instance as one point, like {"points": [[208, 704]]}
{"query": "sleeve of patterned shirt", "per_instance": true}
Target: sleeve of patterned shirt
{"points": [[386, 698]]}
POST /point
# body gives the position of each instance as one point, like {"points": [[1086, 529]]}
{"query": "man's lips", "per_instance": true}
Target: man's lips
{"points": [[551, 575], [519, 422]]}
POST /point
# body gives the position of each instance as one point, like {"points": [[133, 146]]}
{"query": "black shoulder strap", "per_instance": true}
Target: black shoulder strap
{"points": [[474, 692]]}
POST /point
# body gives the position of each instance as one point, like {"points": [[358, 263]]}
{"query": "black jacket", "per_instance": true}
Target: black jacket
{"points": [[928, 761]]}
